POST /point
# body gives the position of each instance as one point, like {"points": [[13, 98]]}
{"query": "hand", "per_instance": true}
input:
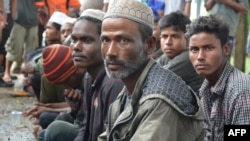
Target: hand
{"points": [[30, 111], [73, 98], [72, 95], [39, 110], [36, 110]]}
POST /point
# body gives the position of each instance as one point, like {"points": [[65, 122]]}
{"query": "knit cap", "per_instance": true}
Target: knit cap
{"points": [[58, 63], [132, 10], [93, 13]]}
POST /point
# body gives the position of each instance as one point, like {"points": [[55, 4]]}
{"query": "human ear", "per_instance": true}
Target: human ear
{"points": [[226, 49], [150, 45]]}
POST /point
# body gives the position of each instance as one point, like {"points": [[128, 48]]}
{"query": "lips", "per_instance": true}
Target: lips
{"points": [[167, 50], [79, 57], [113, 66], [76, 58], [201, 66]]}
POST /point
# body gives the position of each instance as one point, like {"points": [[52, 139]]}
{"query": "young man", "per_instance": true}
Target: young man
{"points": [[225, 93], [66, 29], [174, 46], [155, 104], [98, 90]]}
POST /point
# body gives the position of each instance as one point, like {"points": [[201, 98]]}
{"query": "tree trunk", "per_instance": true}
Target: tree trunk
{"points": [[241, 43]]}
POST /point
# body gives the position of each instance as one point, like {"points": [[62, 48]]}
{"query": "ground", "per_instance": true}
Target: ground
{"points": [[13, 126]]}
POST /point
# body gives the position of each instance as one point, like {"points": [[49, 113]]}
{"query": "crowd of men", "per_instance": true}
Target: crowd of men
{"points": [[127, 70]]}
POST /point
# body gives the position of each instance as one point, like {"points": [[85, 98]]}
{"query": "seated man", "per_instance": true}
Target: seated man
{"points": [[225, 92], [98, 90], [174, 46], [155, 104], [57, 74]]}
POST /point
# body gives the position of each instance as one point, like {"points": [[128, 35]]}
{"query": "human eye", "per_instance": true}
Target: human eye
{"points": [[193, 49], [73, 39], [86, 40], [175, 36], [123, 41], [208, 48], [104, 40], [163, 36]]}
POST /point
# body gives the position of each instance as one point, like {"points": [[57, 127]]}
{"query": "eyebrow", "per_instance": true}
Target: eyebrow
{"points": [[82, 37]]}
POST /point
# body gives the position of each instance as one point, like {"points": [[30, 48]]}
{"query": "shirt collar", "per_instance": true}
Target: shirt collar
{"points": [[220, 85]]}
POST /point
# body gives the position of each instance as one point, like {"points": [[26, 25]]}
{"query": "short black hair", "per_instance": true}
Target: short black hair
{"points": [[210, 24], [177, 20]]}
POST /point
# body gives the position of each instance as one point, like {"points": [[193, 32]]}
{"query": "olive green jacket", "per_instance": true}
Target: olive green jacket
{"points": [[162, 108]]}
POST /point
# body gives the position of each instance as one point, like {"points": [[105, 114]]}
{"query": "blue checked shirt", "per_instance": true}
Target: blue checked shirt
{"points": [[228, 103]]}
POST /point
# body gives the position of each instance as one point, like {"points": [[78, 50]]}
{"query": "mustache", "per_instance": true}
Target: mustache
{"points": [[78, 54], [113, 61]]}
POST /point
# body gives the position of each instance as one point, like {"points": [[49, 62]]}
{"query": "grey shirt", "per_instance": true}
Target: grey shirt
{"points": [[174, 5], [228, 14], [26, 13]]}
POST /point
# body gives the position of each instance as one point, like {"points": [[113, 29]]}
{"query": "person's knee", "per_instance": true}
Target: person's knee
{"points": [[65, 117], [60, 131], [53, 131], [46, 118]]}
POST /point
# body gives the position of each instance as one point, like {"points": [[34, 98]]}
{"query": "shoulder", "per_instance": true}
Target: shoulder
{"points": [[238, 80], [237, 86], [182, 58], [164, 84]]}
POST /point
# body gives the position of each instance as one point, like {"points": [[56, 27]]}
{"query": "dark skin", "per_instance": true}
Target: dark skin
{"points": [[122, 40], [208, 56], [86, 47]]}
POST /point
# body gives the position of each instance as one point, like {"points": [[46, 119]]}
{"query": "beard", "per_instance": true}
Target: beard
{"points": [[128, 67]]}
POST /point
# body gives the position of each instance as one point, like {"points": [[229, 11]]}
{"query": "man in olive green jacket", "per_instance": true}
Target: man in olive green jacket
{"points": [[155, 104]]}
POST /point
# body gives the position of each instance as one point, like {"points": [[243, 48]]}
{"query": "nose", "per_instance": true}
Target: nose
{"points": [[76, 46], [65, 34], [110, 49], [200, 55], [167, 41]]}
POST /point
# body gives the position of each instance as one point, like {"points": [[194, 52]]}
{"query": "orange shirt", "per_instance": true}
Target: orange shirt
{"points": [[59, 5]]}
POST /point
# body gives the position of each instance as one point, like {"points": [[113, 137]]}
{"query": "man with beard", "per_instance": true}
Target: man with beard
{"points": [[155, 104], [98, 89]]}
